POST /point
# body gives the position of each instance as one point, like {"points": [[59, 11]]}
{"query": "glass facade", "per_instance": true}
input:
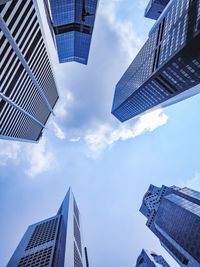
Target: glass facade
{"points": [[72, 22], [54, 242], [167, 68], [174, 217]]}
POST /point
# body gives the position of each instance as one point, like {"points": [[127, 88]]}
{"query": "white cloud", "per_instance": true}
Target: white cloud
{"points": [[9, 151], [128, 38], [58, 131], [143, 4], [39, 158], [62, 106], [74, 140], [105, 135]]}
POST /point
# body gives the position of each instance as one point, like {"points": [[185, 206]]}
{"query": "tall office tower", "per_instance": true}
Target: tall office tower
{"points": [[54, 242], [167, 68], [173, 215], [71, 24], [155, 8], [150, 259], [28, 91]]}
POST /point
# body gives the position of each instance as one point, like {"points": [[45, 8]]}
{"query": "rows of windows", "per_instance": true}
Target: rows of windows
{"points": [[22, 22], [43, 233], [77, 259], [183, 224], [138, 90], [76, 211], [181, 74], [77, 235], [14, 123], [73, 46], [70, 11], [41, 258], [191, 193]]}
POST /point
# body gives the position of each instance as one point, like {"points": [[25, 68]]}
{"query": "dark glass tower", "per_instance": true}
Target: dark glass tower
{"points": [[155, 8], [173, 215], [54, 242], [71, 23], [28, 91], [151, 259], [167, 68]]}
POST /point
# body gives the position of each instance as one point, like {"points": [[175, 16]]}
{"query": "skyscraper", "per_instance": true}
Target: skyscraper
{"points": [[71, 24], [167, 68], [151, 259], [28, 91], [173, 215], [155, 8], [54, 242]]}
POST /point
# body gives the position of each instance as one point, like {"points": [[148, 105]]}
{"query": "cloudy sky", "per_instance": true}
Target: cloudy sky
{"points": [[109, 165]]}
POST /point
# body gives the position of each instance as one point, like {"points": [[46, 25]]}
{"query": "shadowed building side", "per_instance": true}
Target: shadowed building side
{"points": [[173, 215], [167, 68]]}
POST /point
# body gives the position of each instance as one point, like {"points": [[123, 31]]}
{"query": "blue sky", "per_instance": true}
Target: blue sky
{"points": [[109, 165]]}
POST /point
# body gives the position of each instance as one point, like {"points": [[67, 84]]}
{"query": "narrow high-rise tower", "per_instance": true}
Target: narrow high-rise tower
{"points": [[28, 91], [151, 259], [167, 68], [173, 215], [71, 24], [54, 242]]}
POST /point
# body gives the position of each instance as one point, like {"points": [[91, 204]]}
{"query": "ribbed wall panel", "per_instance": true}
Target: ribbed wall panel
{"points": [[22, 89]]}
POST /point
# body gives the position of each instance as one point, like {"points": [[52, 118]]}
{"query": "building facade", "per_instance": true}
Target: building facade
{"points": [[167, 68], [173, 215], [54, 242], [150, 259], [71, 24], [28, 91], [155, 8]]}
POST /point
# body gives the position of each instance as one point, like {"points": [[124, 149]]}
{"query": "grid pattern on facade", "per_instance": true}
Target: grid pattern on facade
{"points": [[77, 259], [21, 19], [77, 235], [182, 225], [73, 28], [180, 256], [43, 233], [76, 211], [40, 258], [142, 86], [191, 193]]}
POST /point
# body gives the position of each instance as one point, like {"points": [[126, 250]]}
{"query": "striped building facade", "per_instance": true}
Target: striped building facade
{"points": [[28, 91]]}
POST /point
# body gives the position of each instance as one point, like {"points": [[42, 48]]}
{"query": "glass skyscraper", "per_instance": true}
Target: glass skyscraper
{"points": [[167, 68], [173, 215], [71, 23], [155, 8], [54, 242], [28, 91], [150, 259]]}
